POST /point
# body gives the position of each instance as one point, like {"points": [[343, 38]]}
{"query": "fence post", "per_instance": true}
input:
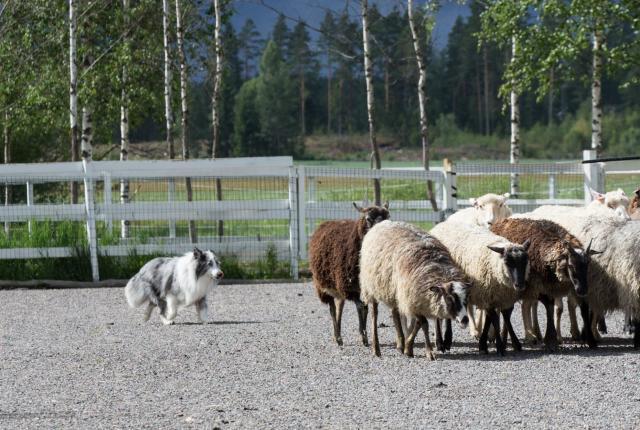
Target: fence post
{"points": [[302, 221], [89, 203], [107, 201], [171, 191], [293, 221], [552, 187], [29, 203], [449, 188], [593, 175]]}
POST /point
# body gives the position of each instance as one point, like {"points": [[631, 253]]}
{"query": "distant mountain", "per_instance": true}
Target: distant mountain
{"points": [[312, 11]]}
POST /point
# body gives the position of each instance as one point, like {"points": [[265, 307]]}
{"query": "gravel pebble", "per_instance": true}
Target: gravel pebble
{"points": [[83, 359]]}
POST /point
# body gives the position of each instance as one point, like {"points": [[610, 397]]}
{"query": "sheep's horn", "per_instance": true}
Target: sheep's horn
{"points": [[589, 246]]}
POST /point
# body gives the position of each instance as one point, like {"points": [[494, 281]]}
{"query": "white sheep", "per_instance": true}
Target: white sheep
{"points": [[614, 276], [414, 275], [484, 210], [497, 268], [616, 200]]}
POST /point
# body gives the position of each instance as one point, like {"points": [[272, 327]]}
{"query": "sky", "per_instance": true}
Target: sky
{"points": [[313, 11]]}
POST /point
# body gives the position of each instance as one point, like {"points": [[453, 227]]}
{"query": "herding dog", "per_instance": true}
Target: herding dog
{"points": [[171, 283]]}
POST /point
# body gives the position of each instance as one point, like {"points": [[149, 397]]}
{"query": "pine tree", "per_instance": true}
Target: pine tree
{"points": [[249, 44], [302, 62]]}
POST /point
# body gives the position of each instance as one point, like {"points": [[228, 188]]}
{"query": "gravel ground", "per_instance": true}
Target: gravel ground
{"points": [[83, 359]]}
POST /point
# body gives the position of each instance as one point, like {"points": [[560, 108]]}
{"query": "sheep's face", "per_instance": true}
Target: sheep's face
{"points": [[452, 300], [372, 215], [615, 200], [516, 262], [573, 265], [491, 208]]}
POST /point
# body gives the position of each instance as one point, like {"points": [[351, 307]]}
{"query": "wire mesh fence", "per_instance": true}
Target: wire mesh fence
{"points": [[537, 183], [257, 214]]}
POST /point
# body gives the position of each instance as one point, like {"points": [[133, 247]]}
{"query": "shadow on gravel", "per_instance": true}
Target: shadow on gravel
{"points": [[225, 322]]}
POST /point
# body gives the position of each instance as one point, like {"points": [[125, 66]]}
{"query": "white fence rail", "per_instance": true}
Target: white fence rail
{"points": [[268, 203]]}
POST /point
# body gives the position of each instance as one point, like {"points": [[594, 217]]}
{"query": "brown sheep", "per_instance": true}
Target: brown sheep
{"points": [[559, 266], [334, 255]]}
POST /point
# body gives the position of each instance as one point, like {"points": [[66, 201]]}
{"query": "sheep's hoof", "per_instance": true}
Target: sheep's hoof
{"points": [[408, 352], [501, 351], [338, 340], [431, 356], [551, 345], [517, 346], [560, 340], [365, 342], [482, 347], [575, 335]]}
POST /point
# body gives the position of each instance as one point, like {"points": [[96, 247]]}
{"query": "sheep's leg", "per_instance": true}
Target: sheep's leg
{"points": [[439, 340], [482, 342], [362, 321], [474, 327], [399, 333], [587, 330], [374, 328], [408, 345], [427, 339], [571, 309], [495, 321], [602, 325], [550, 336], [559, 305], [147, 311], [628, 324], [336, 327], [448, 336], [636, 333], [506, 315], [526, 321], [535, 325]]}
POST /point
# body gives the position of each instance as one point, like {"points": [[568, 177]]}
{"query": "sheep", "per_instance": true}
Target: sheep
{"points": [[334, 251], [634, 206], [497, 268], [614, 278], [559, 267], [616, 200], [413, 274], [484, 210]]}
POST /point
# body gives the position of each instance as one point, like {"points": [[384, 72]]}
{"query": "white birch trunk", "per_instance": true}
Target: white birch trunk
{"points": [[596, 93], [184, 120], [217, 80], [215, 102], [422, 100], [168, 113], [86, 144], [368, 73], [124, 128], [485, 61], [73, 90], [514, 157], [7, 160]]}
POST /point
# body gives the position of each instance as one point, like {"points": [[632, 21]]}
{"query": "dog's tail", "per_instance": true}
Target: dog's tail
{"points": [[135, 293]]}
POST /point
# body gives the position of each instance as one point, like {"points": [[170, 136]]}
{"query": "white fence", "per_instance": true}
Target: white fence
{"points": [[268, 204]]}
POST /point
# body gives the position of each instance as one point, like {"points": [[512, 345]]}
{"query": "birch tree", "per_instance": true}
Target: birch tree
{"points": [[184, 118], [596, 88], [124, 122], [368, 74], [73, 89], [422, 88], [215, 99], [168, 113], [514, 153], [7, 160]]}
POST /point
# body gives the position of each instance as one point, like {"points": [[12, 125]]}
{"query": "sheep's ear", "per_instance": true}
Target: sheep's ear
{"points": [[637, 192], [597, 196], [496, 248], [196, 252], [436, 289], [506, 196], [526, 244], [386, 205], [358, 208], [621, 191], [474, 202]]}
